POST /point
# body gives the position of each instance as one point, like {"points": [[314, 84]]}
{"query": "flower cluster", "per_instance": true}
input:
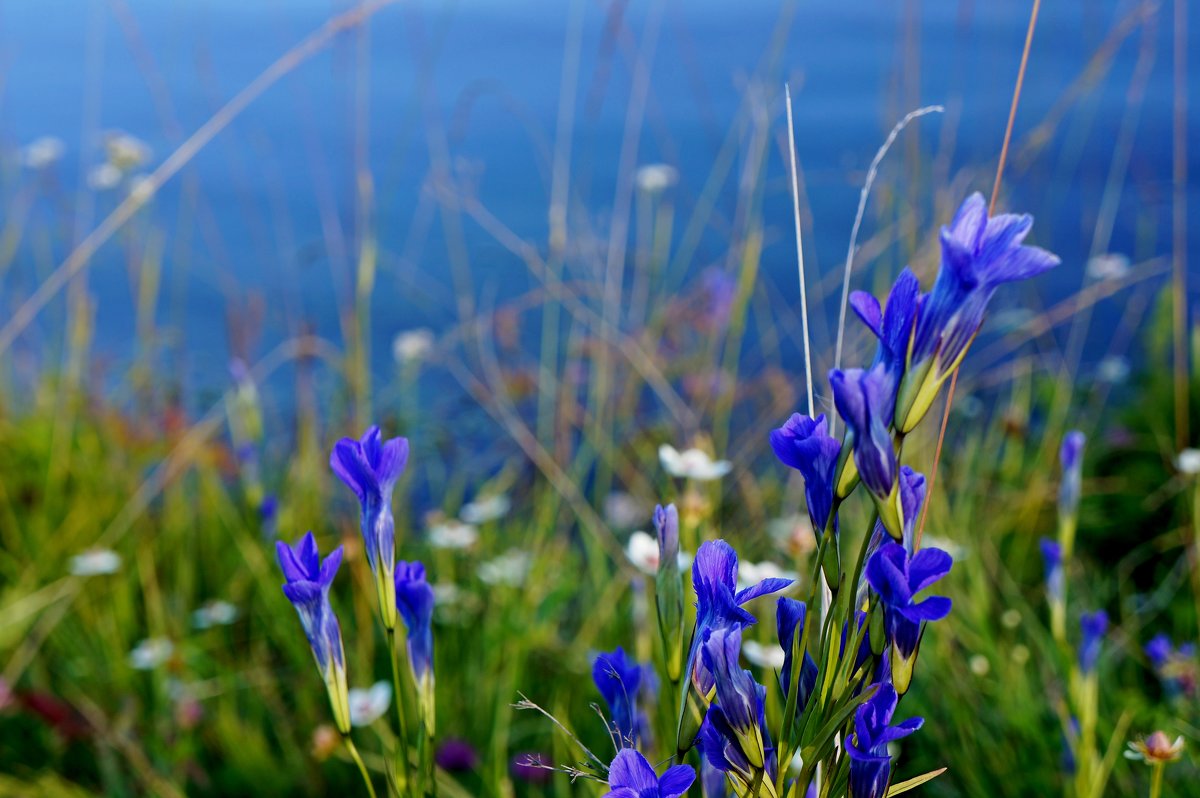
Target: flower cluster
{"points": [[370, 467]]}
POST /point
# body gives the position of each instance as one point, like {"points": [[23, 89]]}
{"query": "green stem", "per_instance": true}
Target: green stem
{"points": [[1156, 780], [405, 786], [362, 768]]}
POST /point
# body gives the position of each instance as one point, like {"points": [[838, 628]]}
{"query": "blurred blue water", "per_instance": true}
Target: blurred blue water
{"points": [[491, 71]]}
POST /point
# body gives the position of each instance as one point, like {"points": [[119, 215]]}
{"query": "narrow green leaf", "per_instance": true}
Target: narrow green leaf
{"points": [[914, 782]]}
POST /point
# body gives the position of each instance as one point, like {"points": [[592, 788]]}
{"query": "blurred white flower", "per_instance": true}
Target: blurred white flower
{"points": [[126, 152], [769, 656], [1188, 462], [955, 550], [214, 613], [151, 653], [139, 187], [104, 177], [453, 534], [1109, 266], [979, 665], [42, 152], [642, 551], [751, 573], [1020, 654], [793, 534], [481, 511], [1113, 369], [510, 568], [623, 511], [412, 346], [446, 594], [692, 464], [368, 706], [95, 562], [1011, 618], [655, 178]]}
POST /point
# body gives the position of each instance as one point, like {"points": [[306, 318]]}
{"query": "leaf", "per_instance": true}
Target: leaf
{"points": [[914, 782]]}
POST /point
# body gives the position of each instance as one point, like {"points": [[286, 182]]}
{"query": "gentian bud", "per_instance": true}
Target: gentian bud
{"points": [[870, 761], [307, 587], [414, 601], [668, 589], [866, 400], [1071, 458]]}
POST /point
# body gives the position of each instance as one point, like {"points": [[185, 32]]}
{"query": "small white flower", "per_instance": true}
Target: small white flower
{"points": [[1109, 266], [214, 613], [692, 464], [1011, 618], [151, 653], [655, 178], [979, 665], [453, 534], [104, 177], [446, 594], [751, 573], [126, 152], [510, 568], [1188, 462], [764, 656], [42, 152], [956, 551], [642, 551], [481, 511], [1020, 654], [96, 562], [1113, 369], [622, 511], [412, 346], [368, 706]]}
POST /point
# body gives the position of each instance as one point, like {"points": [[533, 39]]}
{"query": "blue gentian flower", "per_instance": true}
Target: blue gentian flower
{"points": [[370, 467], [804, 444], [1175, 667], [865, 399], [978, 255], [733, 736], [712, 781], [414, 601], [308, 578], [790, 615], [718, 602], [619, 680], [1093, 625], [1071, 457], [892, 326], [631, 776], [1052, 561], [870, 762], [912, 498], [668, 589], [897, 579]]}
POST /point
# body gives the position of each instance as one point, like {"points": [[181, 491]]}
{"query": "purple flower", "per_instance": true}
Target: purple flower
{"points": [[978, 255], [712, 781], [370, 467], [892, 326], [456, 756], [718, 606], [414, 601], [1093, 625], [870, 763], [734, 736], [631, 776], [668, 588], [1052, 561], [666, 525], [865, 399], [619, 680], [307, 586], [1176, 667], [1071, 457], [897, 579], [804, 444], [790, 615]]}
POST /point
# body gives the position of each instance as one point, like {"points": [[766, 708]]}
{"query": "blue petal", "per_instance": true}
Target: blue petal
{"points": [[630, 769], [867, 308], [771, 585], [676, 781], [933, 608], [926, 567], [886, 574]]}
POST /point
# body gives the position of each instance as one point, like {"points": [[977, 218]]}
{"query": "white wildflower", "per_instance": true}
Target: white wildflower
{"points": [[453, 534], [412, 346], [368, 706], [692, 464], [104, 177], [656, 178], [42, 152], [769, 656], [510, 568], [214, 613], [1109, 266], [150, 653], [1188, 462], [481, 511], [96, 562]]}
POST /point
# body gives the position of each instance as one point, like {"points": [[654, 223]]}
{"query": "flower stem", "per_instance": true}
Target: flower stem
{"points": [[1156, 780], [405, 786], [362, 768]]}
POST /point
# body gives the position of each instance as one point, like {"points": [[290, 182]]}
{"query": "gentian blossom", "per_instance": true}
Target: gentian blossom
{"points": [[1176, 668], [370, 467], [1052, 562], [804, 444], [978, 255], [307, 587], [898, 578], [631, 776], [668, 588], [414, 601], [1071, 458], [1093, 625], [870, 762], [892, 326], [619, 680], [864, 398], [790, 615], [734, 736]]}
